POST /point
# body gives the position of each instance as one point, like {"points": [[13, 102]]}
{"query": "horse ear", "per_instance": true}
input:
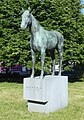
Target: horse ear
{"points": [[23, 9], [29, 9]]}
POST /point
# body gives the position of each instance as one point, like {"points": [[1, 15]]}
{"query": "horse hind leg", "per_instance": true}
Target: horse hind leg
{"points": [[60, 51], [52, 52], [60, 62]]}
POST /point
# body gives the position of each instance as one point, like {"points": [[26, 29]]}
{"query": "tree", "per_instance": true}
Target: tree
{"points": [[61, 15], [13, 42]]}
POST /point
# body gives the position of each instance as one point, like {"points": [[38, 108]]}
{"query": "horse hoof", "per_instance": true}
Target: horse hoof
{"points": [[32, 76], [59, 74], [53, 74], [41, 77]]}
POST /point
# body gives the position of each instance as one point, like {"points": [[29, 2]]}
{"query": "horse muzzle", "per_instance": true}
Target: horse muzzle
{"points": [[22, 27]]}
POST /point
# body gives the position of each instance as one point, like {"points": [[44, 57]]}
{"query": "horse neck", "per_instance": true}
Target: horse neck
{"points": [[34, 23]]}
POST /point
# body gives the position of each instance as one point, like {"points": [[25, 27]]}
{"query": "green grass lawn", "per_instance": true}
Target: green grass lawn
{"points": [[13, 107]]}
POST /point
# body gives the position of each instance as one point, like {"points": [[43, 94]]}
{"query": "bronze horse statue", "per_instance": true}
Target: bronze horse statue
{"points": [[42, 40]]}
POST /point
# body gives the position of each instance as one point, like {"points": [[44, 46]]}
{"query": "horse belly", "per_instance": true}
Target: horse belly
{"points": [[36, 46], [39, 42], [51, 42]]}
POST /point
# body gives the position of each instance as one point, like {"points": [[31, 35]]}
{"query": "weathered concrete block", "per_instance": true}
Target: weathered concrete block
{"points": [[46, 95]]}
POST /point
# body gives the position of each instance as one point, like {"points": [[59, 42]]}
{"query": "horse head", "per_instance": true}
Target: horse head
{"points": [[26, 18]]}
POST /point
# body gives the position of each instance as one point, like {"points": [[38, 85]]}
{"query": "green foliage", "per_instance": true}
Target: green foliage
{"points": [[14, 43], [61, 15]]}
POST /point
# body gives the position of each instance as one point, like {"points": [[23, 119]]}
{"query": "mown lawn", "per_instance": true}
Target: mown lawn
{"points": [[13, 107]]}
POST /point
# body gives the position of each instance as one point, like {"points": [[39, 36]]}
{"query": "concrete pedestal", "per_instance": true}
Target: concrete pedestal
{"points": [[46, 95]]}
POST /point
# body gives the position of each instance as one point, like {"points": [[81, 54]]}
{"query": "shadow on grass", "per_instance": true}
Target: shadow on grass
{"points": [[12, 78], [77, 75]]}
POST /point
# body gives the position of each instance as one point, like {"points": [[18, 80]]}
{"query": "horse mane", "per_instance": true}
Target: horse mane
{"points": [[35, 24]]}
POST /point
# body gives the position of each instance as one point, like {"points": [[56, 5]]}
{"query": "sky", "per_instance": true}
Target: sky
{"points": [[83, 8]]}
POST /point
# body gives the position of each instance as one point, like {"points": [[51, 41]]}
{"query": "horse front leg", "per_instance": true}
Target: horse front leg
{"points": [[42, 63], [33, 63]]}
